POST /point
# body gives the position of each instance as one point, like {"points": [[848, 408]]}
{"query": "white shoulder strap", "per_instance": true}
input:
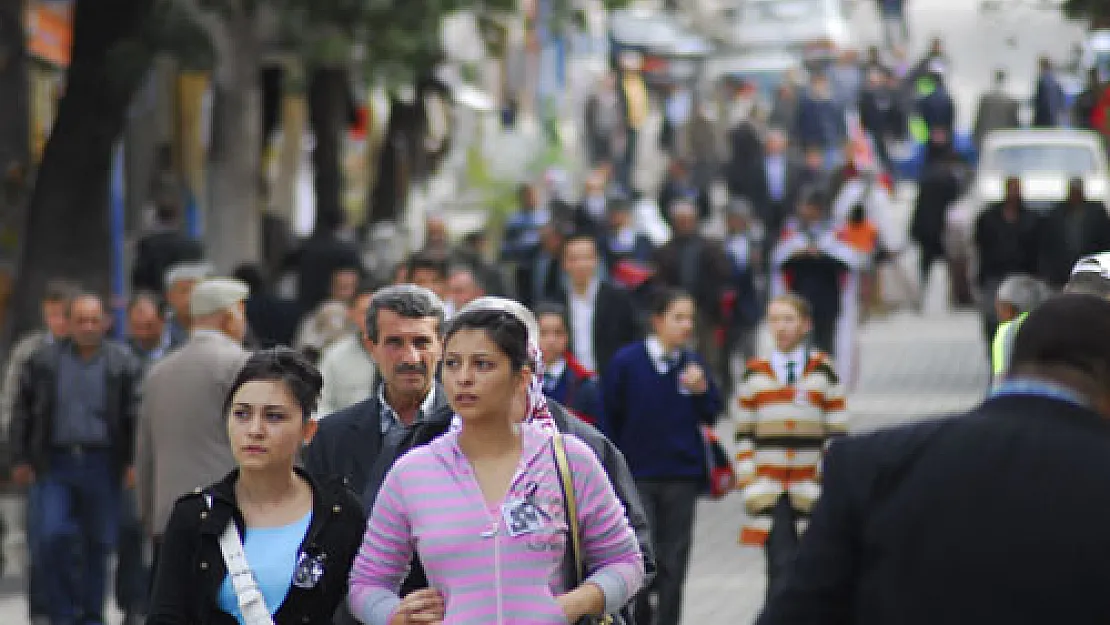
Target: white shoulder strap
{"points": [[251, 602]]}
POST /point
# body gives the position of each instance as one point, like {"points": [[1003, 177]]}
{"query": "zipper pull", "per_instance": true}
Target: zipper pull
{"points": [[491, 532]]}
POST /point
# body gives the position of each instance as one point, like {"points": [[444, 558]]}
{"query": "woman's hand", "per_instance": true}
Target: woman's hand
{"points": [[421, 606], [585, 600]]}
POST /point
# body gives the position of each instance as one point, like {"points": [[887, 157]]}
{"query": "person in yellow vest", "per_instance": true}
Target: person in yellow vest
{"points": [[1017, 296], [790, 405]]}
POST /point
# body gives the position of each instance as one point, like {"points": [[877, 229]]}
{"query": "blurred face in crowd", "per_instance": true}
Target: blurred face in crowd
{"points": [[479, 378], [736, 223], [430, 279], [435, 232], [554, 339], [684, 219], [144, 324], [675, 325], [787, 324], [266, 426], [87, 321], [1076, 194], [1013, 189], [809, 212], [344, 285], [580, 261], [407, 352], [775, 144], [620, 219], [815, 159], [55, 315], [551, 239], [463, 288], [178, 294]]}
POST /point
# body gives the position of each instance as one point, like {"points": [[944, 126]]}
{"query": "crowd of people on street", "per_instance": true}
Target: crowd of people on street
{"points": [[522, 434]]}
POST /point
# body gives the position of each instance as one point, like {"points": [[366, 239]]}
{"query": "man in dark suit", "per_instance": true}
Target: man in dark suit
{"points": [[772, 183], [537, 277], [994, 516], [408, 408], [602, 318], [997, 110], [1073, 229]]}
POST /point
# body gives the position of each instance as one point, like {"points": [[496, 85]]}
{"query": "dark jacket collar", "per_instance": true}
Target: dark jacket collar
{"points": [[1040, 407], [224, 505], [369, 410]]}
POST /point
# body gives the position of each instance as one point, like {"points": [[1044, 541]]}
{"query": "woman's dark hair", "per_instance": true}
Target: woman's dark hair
{"points": [[503, 328], [285, 365], [664, 298]]}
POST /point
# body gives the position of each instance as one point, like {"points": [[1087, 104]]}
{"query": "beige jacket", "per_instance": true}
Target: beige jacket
{"points": [[182, 439]]}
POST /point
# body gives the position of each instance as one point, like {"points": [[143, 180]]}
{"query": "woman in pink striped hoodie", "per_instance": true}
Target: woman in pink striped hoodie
{"points": [[482, 506]]}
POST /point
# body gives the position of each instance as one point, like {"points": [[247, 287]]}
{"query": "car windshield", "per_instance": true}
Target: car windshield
{"points": [[783, 10], [1019, 159]]}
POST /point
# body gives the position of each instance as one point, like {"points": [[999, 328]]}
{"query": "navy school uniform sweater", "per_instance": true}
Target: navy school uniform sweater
{"points": [[655, 425]]}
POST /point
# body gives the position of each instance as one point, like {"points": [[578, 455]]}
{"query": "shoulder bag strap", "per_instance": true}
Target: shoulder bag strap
{"points": [[251, 602], [562, 465]]}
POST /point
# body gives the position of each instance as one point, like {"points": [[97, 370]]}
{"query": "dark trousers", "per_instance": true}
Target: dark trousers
{"points": [[627, 164], [79, 508], [782, 544], [669, 505], [132, 574], [38, 601]]}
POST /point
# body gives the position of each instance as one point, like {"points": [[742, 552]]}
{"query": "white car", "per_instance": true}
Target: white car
{"points": [[1045, 160], [806, 26]]}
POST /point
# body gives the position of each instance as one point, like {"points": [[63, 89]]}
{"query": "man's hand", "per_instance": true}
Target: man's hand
{"points": [[421, 606], [23, 475], [693, 379]]}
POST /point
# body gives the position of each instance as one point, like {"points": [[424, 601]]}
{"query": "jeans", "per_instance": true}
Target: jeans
{"points": [[78, 513], [132, 574], [669, 505]]}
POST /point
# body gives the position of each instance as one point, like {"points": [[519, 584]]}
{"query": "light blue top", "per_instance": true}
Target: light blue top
{"points": [[272, 555]]}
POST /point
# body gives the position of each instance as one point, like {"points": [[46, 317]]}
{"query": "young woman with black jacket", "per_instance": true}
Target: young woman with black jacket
{"points": [[299, 536]]}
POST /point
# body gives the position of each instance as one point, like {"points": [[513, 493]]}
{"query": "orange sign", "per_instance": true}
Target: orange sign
{"points": [[50, 31]]}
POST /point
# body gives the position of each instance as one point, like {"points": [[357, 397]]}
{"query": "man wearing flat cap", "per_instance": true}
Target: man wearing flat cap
{"points": [[182, 442]]}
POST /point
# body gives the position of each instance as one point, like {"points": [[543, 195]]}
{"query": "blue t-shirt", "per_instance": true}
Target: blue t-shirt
{"points": [[272, 555]]}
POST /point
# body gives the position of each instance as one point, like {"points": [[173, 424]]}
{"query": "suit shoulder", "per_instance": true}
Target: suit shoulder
{"points": [[330, 424]]}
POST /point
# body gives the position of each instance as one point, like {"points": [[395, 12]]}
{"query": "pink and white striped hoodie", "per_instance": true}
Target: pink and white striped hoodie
{"points": [[430, 504]]}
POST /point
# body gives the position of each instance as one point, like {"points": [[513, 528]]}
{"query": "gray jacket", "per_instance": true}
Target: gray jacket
{"points": [[182, 436]]}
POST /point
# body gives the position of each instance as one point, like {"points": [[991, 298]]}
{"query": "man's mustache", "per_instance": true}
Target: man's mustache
{"points": [[403, 368]]}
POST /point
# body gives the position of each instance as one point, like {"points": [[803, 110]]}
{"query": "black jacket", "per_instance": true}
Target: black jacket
{"points": [[616, 468], [996, 516], [156, 253], [191, 566], [346, 446], [1004, 247], [33, 411], [1056, 259], [615, 323]]}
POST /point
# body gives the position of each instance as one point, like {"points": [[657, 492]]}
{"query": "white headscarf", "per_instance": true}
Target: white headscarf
{"points": [[537, 411]]}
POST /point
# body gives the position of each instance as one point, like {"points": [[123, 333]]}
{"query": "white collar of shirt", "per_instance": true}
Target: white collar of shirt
{"points": [[626, 237], [389, 415], [779, 361], [660, 360], [591, 291], [207, 332], [556, 369]]}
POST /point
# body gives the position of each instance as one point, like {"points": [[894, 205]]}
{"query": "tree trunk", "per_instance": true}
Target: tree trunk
{"points": [[328, 108], [233, 223], [14, 131], [387, 198], [67, 231]]}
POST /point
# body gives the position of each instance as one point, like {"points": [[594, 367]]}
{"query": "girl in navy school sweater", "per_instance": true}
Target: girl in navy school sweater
{"points": [[656, 395]]}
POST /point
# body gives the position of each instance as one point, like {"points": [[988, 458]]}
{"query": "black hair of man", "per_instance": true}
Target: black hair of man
{"points": [[555, 309], [138, 297], [408, 301], [59, 291], [1069, 333], [581, 235], [421, 261]]}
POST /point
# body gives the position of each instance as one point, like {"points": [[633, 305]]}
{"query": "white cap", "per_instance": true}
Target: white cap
{"points": [[213, 295], [187, 271]]}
